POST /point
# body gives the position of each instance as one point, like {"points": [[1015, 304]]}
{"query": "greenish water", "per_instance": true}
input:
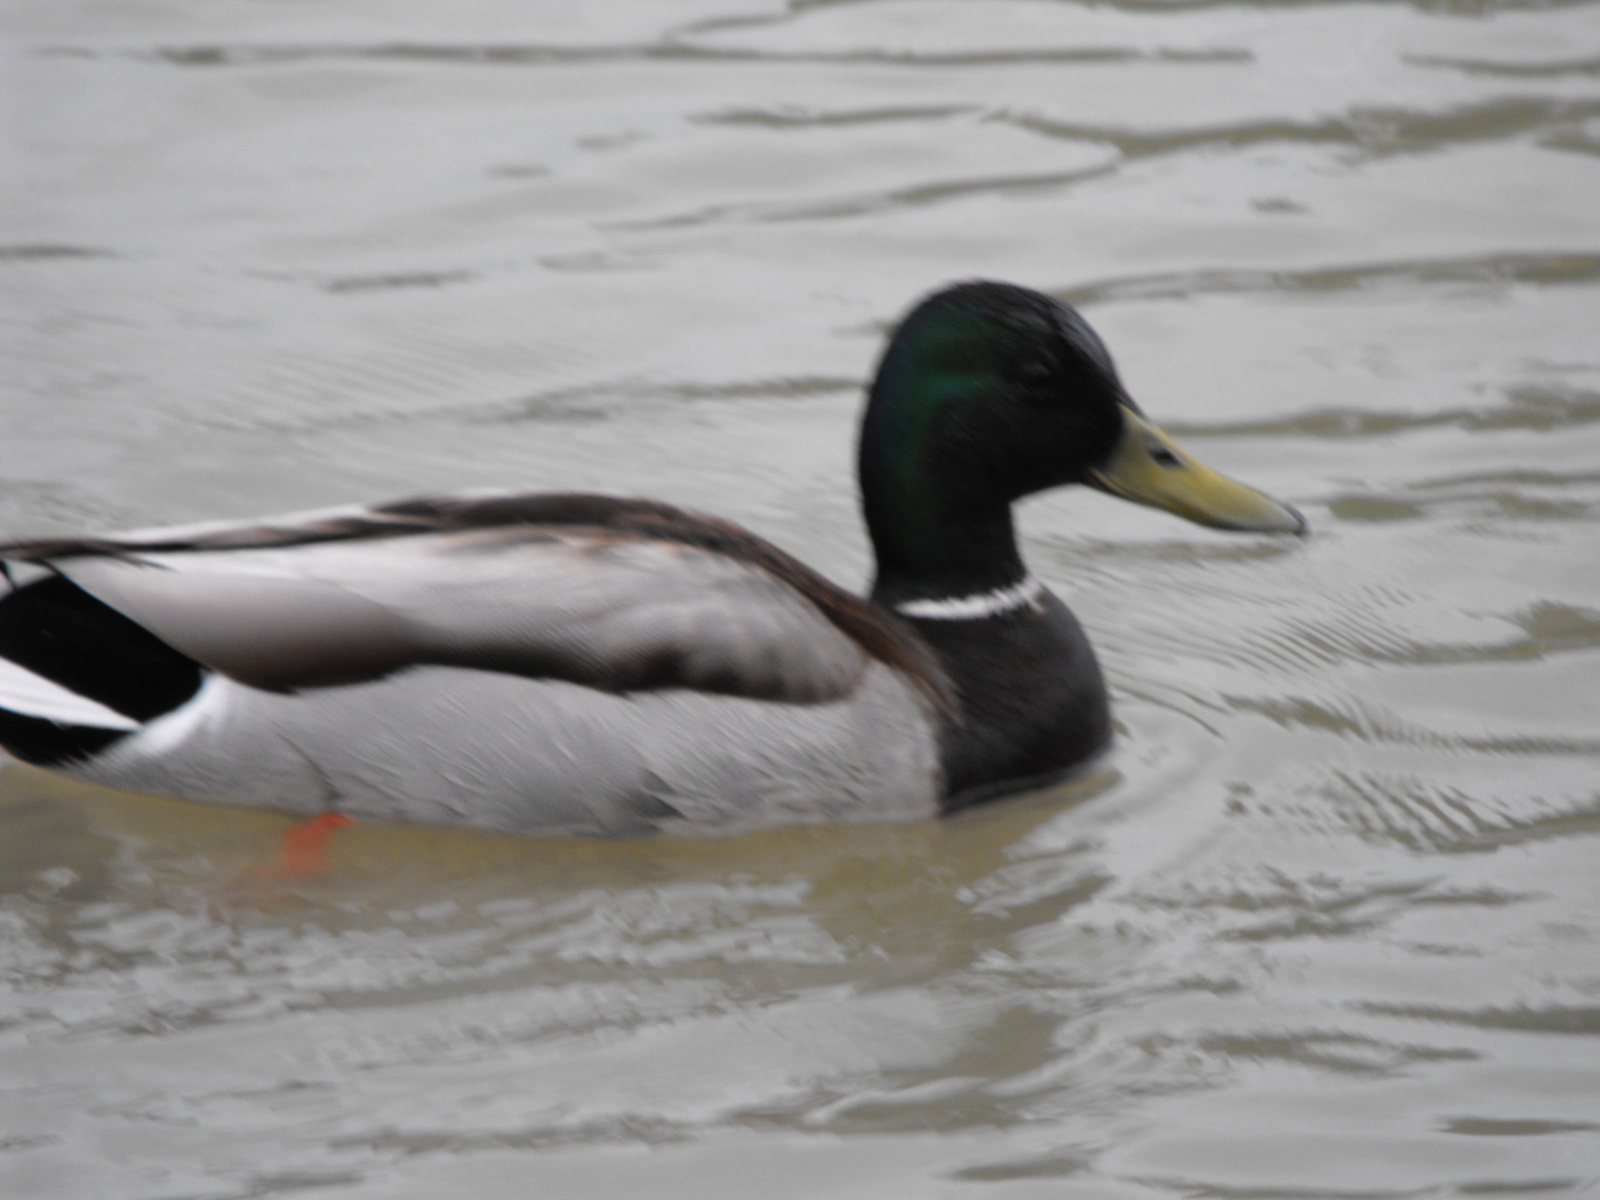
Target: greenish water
{"points": [[1325, 922]]}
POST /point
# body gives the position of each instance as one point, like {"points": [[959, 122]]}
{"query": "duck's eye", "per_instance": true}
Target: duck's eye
{"points": [[1164, 456]]}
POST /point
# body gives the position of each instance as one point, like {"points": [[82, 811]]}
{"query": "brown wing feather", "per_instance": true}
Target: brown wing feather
{"points": [[372, 641]]}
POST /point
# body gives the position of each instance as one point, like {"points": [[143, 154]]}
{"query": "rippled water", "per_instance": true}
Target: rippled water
{"points": [[1325, 924]]}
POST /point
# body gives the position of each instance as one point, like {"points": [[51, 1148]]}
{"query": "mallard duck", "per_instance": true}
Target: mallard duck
{"points": [[543, 662]]}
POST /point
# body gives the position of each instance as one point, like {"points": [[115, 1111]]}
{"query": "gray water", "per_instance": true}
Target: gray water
{"points": [[1325, 922]]}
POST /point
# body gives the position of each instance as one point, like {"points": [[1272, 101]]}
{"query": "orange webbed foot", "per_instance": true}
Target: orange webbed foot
{"points": [[303, 855], [305, 847]]}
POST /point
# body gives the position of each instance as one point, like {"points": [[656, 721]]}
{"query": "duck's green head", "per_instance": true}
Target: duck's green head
{"points": [[988, 392]]}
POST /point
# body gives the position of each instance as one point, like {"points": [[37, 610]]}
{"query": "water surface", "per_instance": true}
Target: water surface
{"points": [[1322, 925]]}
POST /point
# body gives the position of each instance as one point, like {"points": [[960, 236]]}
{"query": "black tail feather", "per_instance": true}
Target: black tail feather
{"points": [[57, 630]]}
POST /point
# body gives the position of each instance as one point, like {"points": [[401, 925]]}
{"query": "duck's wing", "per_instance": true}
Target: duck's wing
{"points": [[360, 594], [619, 615]]}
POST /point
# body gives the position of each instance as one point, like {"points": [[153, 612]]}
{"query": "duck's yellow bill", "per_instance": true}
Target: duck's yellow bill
{"points": [[1148, 468]]}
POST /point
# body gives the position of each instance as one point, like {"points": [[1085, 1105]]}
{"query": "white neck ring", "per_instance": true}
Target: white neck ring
{"points": [[993, 603]]}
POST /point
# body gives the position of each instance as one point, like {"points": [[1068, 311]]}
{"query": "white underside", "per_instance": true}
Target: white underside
{"points": [[444, 745]]}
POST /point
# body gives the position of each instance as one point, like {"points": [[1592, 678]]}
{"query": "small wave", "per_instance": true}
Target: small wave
{"points": [[49, 251], [1547, 270], [1426, 815], [1540, 409], [789, 117], [1553, 69], [1368, 723], [399, 279], [513, 54], [1556, 1019], [861, 204], [1331, 1050], [1375, 131]]}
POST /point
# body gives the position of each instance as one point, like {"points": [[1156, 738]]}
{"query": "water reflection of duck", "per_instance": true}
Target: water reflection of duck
{"points": [[553, 661]]}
